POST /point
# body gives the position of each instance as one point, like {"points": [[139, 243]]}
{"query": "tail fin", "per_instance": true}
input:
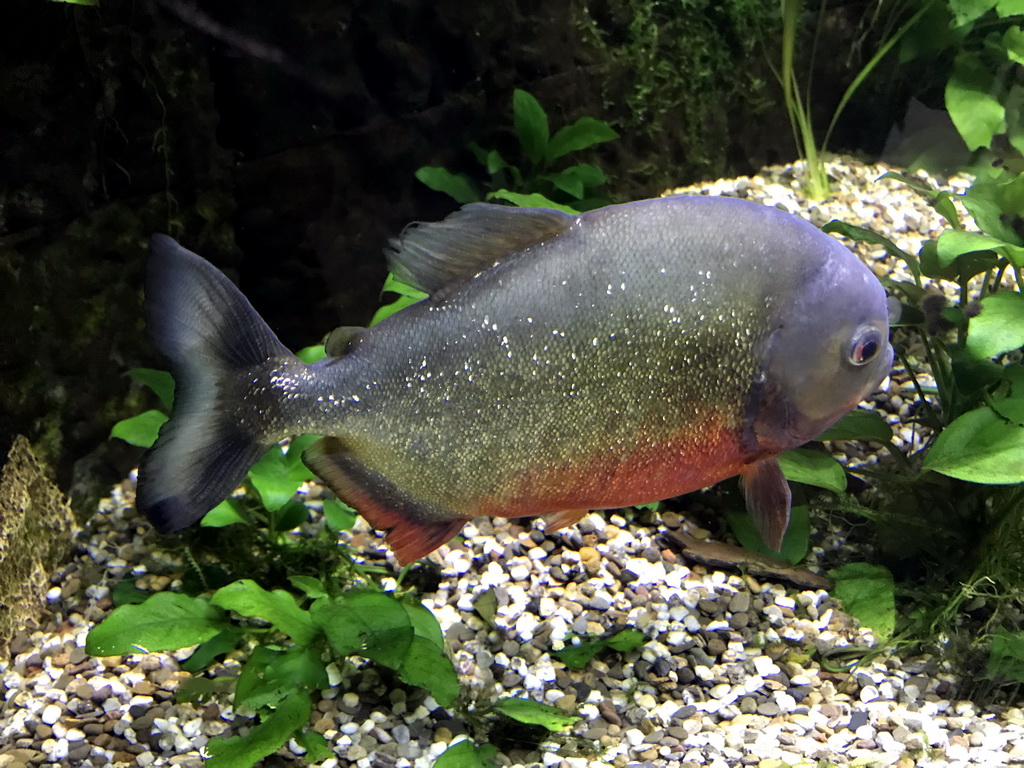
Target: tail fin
{"points": [[214, 340]]}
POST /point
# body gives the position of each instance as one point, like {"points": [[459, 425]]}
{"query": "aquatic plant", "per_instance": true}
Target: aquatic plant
{"points": [[798, 106], [534, 180], [955, 506]]}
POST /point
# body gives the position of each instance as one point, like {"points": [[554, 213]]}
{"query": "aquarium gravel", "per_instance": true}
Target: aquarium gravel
{"points": [[728, 675]]}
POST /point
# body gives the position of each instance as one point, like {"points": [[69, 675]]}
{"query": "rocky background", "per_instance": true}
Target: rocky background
{"points": [[280, 141]]}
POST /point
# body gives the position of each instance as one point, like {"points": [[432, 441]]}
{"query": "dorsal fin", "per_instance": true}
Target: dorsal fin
{"points": [[429, 256]]}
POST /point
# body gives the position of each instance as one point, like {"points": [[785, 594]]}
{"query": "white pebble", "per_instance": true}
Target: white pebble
{"points": [[50, 714]]}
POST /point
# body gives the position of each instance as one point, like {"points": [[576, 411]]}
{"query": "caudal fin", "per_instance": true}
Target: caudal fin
{"points": [[214, 342]]}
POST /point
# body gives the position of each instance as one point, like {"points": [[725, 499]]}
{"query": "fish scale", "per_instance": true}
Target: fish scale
{"points": [[561, 363]]}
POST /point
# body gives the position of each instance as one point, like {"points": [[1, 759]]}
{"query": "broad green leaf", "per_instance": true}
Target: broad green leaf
{"points": [[203, 656], [953, 243], [224, 514], [202, 689], [141, 430], [531, 124], [966, 11], [859, 424], [165, 622], [371, 624], [429, 668], [404, 637], [533, 200], [313, 588], [868, 595], [584, 133], [494, 162], [1009, 8], [407, 296], [277, 476], [249, 599], [805, 465], [579, 655], [1006, 659], [293, 514], [972, 374], [981, 447], [456, 185], [339, 515], [1013, 41], [993, 202], [465, 754], [861, 234], [273, 731], [975, 112], [126, 593], [999, 328], [310, 355], [534, 713], [317, 747], [794, 543], [575, 180], [271, 674], [161, 382]]}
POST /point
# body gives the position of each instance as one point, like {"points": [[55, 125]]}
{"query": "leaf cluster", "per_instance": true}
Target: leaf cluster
{"points": [[301, 639], [540, 176]]}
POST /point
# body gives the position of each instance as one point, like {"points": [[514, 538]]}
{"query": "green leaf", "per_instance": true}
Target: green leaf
{"points": [[534, 713], [868, 595], [966, 11], [585, 132], [465, 754], [575, 180], [486, 605], [975, 112], [981, 447], [203, 656], [339, 515], [861, 234], [811, 467], [533, 200], [273, 731], [859, 424], [999, 328], [224, 514], [407, 296], [141, 430], [277, 476], [456, 185], [794, 543], [310, 355], [579, 655], [1013, 41], [271, 674], [291, 515], [1006, 659], [317, 747], [531, 124], [313, 588], [404, 637], [247, 598], [1006, 8], [161, 382], [165, 622], [994, 203]]}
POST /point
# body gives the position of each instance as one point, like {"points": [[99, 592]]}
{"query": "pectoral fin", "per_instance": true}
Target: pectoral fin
{"points": [[768, 499], [412, 529], [564, 519]]}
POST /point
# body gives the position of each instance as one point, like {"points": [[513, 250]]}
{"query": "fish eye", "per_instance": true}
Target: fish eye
{"points": [[867, 342]]}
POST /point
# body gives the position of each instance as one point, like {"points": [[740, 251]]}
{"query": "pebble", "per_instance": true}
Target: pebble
{"points": [[728, 675]]}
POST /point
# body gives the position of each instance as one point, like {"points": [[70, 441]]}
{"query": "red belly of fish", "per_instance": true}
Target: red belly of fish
{"points": [[612, 478]]}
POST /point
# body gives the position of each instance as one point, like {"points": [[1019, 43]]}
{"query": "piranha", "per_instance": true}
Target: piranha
{"points": [[561, 363]]}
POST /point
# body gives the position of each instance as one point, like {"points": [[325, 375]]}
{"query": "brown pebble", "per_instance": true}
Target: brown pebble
{"points": [[591, 560], [43, 731], [607, 711], [144, 688], [211, 712], [323, 725], [101, 740]]}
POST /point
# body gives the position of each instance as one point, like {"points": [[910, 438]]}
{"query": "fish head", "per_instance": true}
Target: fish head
{"points": [[829, 350]]}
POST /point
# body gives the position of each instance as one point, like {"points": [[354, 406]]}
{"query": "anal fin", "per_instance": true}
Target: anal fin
{"points": [[768, 499], [564, 519], [412, 529]]}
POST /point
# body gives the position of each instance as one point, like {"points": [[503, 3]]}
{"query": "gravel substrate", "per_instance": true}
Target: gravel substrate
{"points": [[730, 675]]}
